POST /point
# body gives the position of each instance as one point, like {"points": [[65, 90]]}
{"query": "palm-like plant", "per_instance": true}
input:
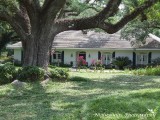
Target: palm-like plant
{"points": [[121, 62]]}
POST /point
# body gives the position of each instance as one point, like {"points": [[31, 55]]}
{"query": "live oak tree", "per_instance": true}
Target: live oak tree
{"points": [[37, 22]]}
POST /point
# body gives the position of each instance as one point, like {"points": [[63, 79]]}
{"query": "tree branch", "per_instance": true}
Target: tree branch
{"points": [[36, 3], [15, 24], [76, 24], [110, 9], [127, 18], [22, 18], [52, 7], [18, 20], [97, 21], [33, 8], [28, 5], [47, 4], [90, 22]]}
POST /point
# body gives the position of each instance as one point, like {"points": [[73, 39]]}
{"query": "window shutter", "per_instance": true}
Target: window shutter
{"points": [[99, 55], [149, 57], [54, 56], [134, 58], [113, 55], [62, 57], [22, 56]]}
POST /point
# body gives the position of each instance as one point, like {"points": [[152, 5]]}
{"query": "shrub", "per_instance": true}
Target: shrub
{"points": [[121, 62], [141, 66], [139, 71], [31, 73], [148, 71], [108, 66], [52, 66], [156, 61], [59, 73], [7, 73], [7, 60], [99, 64]]}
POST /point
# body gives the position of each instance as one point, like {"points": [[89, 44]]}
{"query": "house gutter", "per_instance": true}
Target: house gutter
{"points": [[134, 49]]}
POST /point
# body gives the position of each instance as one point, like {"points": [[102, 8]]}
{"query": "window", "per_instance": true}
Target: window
{"points": [[142, 59], [57, 56]]}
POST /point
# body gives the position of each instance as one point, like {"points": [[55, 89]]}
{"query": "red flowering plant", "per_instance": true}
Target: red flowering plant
{"points": [[81, 61], [96, 64], [93, 62]]}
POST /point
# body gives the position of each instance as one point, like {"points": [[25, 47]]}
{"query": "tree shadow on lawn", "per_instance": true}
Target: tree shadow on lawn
{"points": [[67, 102], [27, 104], [91, 89], [120, 82], [134, 106]]}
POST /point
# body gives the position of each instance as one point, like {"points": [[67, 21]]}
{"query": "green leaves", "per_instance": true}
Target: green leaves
{"points": [[59, 73], [7, 73], [31, 73], [121, 62], [8, 6], [139, 28]]}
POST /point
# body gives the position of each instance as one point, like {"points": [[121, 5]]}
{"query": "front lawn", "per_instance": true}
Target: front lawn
{"points": [[89, 96]]}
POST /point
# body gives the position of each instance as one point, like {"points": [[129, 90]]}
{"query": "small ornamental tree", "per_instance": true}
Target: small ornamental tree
{"points": [[81, 61], [97, 64], [93, 62]]}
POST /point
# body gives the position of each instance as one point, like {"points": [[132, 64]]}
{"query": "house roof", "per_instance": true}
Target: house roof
{"points": [[76, 39], [15, 45], [92, 40]]}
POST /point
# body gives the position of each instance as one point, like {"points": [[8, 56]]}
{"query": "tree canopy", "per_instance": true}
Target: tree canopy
{"points": [[148, 22]]}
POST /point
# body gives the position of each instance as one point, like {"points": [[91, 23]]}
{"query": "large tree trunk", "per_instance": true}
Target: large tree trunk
{"points": [[36, 51]]}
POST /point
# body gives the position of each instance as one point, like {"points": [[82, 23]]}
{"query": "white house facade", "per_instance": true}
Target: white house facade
{"points": [[69, 45]]}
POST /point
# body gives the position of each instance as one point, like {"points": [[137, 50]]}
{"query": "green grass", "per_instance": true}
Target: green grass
{"points": [[94, 96]]}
